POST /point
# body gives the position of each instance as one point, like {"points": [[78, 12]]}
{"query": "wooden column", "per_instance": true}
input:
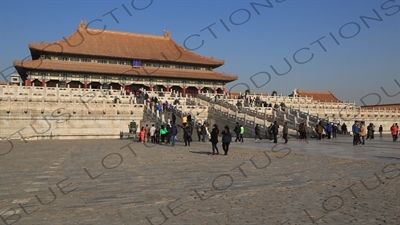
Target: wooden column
{"points": [[28, 82]]}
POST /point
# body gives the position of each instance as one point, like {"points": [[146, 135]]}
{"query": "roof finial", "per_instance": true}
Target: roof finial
{"points": [[167, 34], [82, 24]]}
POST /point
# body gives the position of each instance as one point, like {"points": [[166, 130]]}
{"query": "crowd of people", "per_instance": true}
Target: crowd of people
{"points": [[167, 134]]}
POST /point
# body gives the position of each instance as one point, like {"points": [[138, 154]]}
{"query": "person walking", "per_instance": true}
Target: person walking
{"points": [[226, 139], [319, 129], [372, 131], [189, 119], [147, 133], [344, 129], [380, 130], [328, 130], [174, 132], [241, 133], [334, 130], [237, 131], [168, 134], [257, 132], [285, 132], [302, 130], [163, 133], [275, 130], [142, 134], [152, 133], [270, 132], [184, 119], [187, 133], [363, 132], [214, 139], [173, 118], [198, 130], [394, 130], [355, 131], [203, 132]]}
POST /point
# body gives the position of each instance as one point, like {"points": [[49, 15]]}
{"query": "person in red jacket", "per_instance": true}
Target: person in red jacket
{"points": [[142, 134], [394, 129]]}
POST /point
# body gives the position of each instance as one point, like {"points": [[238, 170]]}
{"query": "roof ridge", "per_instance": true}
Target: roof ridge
{"points": [[128, 33]]}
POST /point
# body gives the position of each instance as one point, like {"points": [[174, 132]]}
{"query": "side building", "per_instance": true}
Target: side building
{"points": [[94, 58]]}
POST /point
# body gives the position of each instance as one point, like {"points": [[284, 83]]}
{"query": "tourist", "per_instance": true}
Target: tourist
{"points": [[147, 133], [285, 132], [334, 130], [189, 119], [328, 130], [363, 132], [198, 130], [275, 130], [355, 131], [142, 135], [257, 132], [344, 129], [166, 105], [163, 134], [226, 139], [173, 118], [301, 130], [214, 139], [152, 134], [394, 129], [168, 134], [203, 132], [173, 132], [370, 129], [187, 134], [270, 132], [380, 130], [157, 135], [237, 131], [184, 119], [241, 133], [319, 129]]}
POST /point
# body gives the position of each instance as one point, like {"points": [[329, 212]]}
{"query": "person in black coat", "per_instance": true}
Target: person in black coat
{"points": [[257, 132], [226, 139], [173, 118], [275, 130], [214, 139], [237, 131]]}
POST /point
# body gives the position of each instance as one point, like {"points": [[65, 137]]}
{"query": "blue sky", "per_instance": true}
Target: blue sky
{"points": [[366, 60]]}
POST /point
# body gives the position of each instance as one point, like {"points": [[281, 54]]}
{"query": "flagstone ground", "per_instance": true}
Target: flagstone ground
{"points": [[121, 182]]}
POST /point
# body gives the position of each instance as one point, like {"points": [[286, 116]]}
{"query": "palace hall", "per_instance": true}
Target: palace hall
{"points": [[95, 58]]}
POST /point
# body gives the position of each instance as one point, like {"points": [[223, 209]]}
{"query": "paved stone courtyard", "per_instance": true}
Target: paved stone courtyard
{"points": [[120, 182]]}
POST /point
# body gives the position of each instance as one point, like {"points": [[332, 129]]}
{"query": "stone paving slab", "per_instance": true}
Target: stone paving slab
{"points": [[120, 182]]}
